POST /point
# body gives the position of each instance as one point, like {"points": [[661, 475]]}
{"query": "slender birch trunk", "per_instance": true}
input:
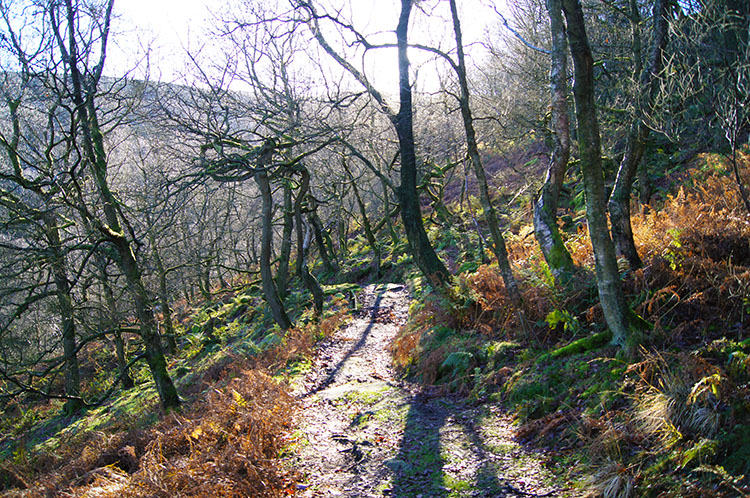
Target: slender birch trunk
{"points": [[611, 295]]}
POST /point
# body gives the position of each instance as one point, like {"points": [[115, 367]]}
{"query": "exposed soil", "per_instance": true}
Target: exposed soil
{"points": [[366, 433]]}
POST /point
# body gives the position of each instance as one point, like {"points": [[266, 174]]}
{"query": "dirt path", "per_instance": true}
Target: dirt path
{"points": [[364, 433]]}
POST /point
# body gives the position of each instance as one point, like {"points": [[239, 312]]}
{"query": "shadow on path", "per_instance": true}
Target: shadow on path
{"points": [[443, 453], [418, 468], [374, 309]]}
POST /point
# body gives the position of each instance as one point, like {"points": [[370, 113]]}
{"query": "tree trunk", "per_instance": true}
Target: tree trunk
{"points": [[95, 154], [164, 298], [308, 280], [498, 241], [619, 200], [411, 214], [395, 240], [59, 266], [148, 330], [282, 275], [269, 286], [611, 295], [204, 280], [545, 207], [122, 363], [365, 221], [317, 227], [110, 316]]}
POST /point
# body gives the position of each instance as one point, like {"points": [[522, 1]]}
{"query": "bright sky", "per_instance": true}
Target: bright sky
{"points": [[171, 26], [166, 26]]}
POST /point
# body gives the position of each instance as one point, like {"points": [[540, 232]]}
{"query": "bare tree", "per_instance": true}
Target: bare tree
{"points": [[646, 81], [545, 208], [81, 33], [411, 214]]}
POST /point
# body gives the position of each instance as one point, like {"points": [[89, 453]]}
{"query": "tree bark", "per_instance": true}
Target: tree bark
{"points": [[308, 280], [619, 200], [59, 266], [490, 214], [164, 298], [317, 228], [269, 286], [371, 239], [95, 154], [611, 295], [411, 214], [395, 240], [110, 317], [545, 207], [282, 275]]}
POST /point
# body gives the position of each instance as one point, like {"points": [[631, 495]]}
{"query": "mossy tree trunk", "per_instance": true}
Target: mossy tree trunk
{"points": [[308, 280], [166, 311], [56, 256], [326, 255], [411, 213], [371, 239], [619, 200], [109, 315], [282, 275], [266, 274], [420, 247], [611, 294], [82, 92], [59, 265], [395, 240], [545, 207]]}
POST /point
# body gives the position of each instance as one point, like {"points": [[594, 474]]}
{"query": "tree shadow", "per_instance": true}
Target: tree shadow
{"points": [[487, 476], [418, 468], [421, 466], [325, 382]]}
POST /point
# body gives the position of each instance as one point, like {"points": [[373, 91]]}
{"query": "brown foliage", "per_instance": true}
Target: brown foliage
{"points": [[698, 259], [225, 446], [299, 341]]}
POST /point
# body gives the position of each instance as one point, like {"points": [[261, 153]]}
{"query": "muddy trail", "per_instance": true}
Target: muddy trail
{"points": [[365, 433]]}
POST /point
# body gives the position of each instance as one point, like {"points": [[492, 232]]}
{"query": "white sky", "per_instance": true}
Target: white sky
{"points": [[171, 26]]}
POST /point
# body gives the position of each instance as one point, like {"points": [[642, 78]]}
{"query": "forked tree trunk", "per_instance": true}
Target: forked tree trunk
{"points": [[411, 213], [611, 295], [619, 200], [282, 275], [266, 274], [545, 208]]}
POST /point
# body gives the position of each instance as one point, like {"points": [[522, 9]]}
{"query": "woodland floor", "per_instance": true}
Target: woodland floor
{"points": [[364, 432]]}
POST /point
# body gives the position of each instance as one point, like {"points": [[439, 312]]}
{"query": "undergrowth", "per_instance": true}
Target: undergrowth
{"points": [[231, 369], [668, 420]]}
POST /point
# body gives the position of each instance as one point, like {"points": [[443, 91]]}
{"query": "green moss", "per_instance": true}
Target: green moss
{"points": [[579, 346]]}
